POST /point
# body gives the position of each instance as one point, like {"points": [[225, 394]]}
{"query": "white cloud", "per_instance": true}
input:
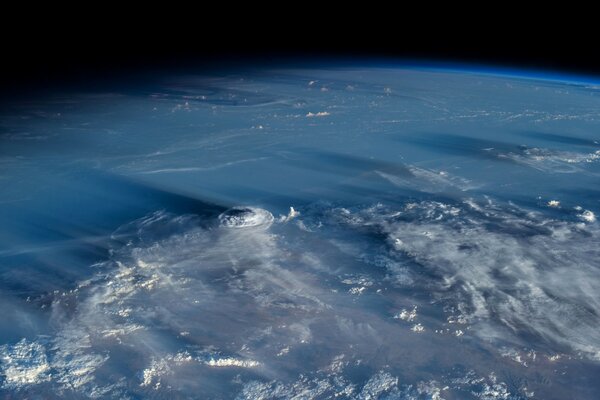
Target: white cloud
{"points": [[24, 363], [318, 114]]}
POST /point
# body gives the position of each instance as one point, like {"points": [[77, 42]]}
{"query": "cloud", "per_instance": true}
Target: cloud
{"points": [[318, 114]]}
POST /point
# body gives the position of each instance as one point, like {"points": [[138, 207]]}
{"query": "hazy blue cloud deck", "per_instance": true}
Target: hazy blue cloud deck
{"points": [[297, 234]]}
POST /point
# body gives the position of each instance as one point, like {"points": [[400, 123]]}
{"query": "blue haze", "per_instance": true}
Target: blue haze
{"points": [[350, 233]]}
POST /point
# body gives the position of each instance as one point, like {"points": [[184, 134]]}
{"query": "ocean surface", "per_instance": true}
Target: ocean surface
{"points": [[345, 232]]}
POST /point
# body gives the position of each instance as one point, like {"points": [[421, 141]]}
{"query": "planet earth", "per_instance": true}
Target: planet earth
{"points": [[332, 232]]}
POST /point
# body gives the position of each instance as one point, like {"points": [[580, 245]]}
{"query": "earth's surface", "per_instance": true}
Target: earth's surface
{"points": [[349, 233]]}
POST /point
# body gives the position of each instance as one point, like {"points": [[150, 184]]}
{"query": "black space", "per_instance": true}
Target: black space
{"points": [[104, 47]]}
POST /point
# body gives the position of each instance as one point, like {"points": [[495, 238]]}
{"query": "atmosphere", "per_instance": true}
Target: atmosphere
{"points": [[324, 220]]}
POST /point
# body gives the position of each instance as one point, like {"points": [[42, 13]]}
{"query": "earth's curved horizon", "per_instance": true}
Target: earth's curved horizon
{"points": [[310, 233]]}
